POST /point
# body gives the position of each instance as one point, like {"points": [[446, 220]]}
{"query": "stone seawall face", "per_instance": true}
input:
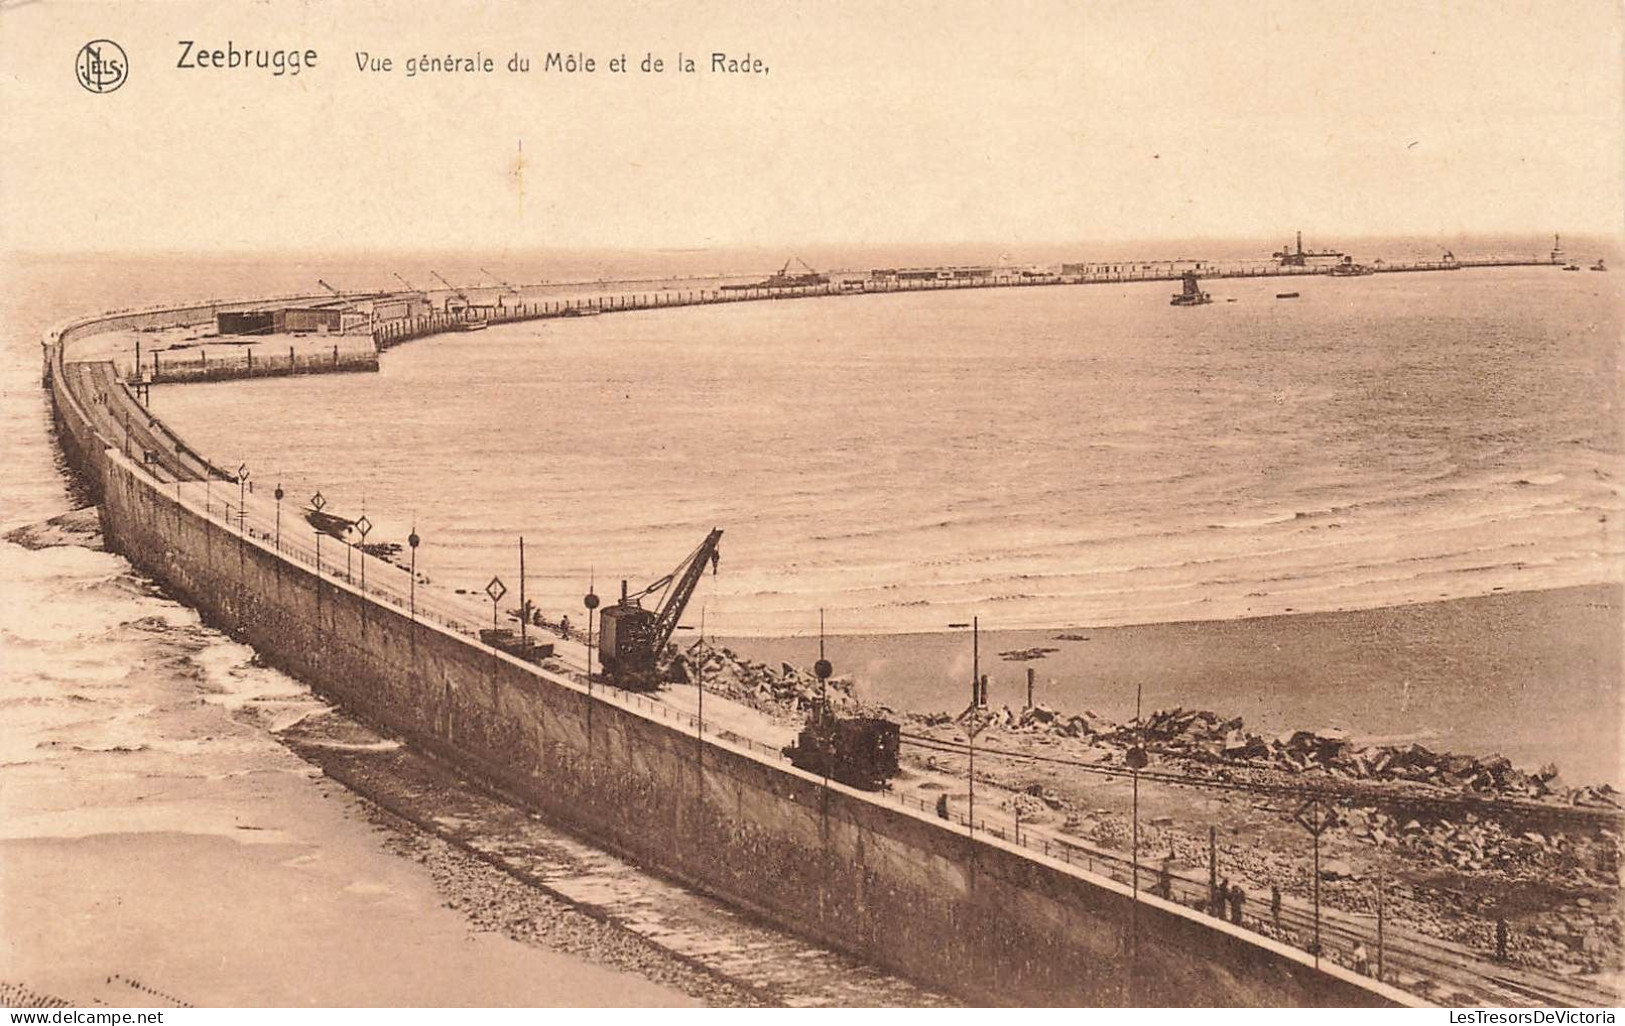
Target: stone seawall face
{"points": [[974, 917]]}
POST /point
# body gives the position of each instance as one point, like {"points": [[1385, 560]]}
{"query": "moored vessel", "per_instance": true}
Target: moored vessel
{"points": [[1192, 294]]}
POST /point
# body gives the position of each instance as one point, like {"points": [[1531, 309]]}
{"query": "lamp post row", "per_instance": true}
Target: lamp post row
{"points": [[496, 590], [1313, 818]]}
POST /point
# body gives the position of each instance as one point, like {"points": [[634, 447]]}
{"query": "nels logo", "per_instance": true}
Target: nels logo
{"points": [[102, 66]]}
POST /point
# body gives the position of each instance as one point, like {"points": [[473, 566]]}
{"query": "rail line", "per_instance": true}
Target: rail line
{"points": [[116, 411], [1430, 962]]}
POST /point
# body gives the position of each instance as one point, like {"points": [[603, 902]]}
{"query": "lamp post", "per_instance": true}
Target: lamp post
{"points": [[1316, 816], [1136, 759], [590, 600], [524, 603], [316, 503], [822, 669], [363, 527], [412, 543], [1379, 925], [971, 727], [971, 730], [278, 494], [242, 497]]}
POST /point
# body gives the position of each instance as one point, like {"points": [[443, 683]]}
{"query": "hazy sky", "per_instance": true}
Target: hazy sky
{"points": [[878, 122]]}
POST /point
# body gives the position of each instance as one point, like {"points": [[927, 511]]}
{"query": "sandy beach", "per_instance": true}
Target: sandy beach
{"points": [[160, 848], [267, 914]]}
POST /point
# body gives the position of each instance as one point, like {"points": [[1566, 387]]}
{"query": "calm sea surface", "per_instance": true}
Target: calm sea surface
{"points": [[1038, 457], [1042, 457]]}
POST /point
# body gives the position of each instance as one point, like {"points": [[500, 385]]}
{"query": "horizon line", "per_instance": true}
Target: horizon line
{"points": [[1318, 237]]}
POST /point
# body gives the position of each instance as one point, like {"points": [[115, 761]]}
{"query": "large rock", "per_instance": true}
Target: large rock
{"points": [[1336, 869]]}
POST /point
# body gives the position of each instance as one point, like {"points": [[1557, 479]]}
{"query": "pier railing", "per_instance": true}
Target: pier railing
{"points": [[255, 361], [1340, 935], [1338, 941], [394, 332], [1410, 957]]}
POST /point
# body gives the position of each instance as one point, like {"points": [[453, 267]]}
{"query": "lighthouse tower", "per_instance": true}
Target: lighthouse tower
{"points": [[1558, 256]]}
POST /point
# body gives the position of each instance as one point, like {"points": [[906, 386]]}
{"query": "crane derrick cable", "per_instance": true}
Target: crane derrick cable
{"points": [[682, 582]]}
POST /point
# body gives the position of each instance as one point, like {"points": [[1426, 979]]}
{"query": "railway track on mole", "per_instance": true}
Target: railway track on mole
{"points": [[1437, 969]]}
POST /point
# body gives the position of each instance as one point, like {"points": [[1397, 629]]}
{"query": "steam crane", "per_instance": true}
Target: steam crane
{"points": [[410, 287], [460, 293], [513, 290], [634, 637], [330, 288]]}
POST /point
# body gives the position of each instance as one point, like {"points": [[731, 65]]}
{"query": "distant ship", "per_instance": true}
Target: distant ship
{"points": [[1286, 295], [1192, 295], [1599, 266], [784, 279], [1572, 267], [1349, 269], [1301, 257]]}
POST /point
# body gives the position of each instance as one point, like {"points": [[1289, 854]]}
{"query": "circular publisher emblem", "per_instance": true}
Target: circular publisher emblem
{"points": [[102, 66]]}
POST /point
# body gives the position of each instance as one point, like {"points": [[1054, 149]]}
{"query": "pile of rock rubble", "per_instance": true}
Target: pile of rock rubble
{"points": [[1198, 735], [1204, 736], [787, 689], [1474, 843]]}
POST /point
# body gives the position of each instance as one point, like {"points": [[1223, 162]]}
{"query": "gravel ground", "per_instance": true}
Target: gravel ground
{"points": [[494, 901]]}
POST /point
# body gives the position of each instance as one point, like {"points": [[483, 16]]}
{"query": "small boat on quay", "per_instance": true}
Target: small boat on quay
{"points": [[480, 325]]}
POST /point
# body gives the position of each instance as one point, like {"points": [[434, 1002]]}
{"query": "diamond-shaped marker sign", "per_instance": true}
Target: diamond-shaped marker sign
{"points": [[496, 589], [317, 502], [363, 526], [242, 472], [1315, 816]]}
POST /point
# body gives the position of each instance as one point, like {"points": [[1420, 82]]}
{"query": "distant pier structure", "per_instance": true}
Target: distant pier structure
{"points": [[1300, 257]]}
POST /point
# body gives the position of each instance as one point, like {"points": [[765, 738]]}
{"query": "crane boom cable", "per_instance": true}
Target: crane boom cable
{"points": [[460, 293], [682, 583]]}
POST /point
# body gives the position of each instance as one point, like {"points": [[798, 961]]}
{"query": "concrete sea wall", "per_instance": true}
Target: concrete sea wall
{"points": [[975, 917]]}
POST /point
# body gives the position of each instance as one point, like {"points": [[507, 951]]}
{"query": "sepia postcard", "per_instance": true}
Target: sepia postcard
{"points": [[853, 505]]}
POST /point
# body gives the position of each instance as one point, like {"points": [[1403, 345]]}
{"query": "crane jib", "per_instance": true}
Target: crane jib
{"points": [[632, 638], [672, 610]]}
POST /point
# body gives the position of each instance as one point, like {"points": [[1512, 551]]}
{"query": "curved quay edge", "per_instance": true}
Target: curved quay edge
{"points": [[889, 884]]}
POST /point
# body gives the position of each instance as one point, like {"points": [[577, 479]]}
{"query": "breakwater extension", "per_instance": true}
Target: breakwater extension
{"points": [[975, 915]]}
